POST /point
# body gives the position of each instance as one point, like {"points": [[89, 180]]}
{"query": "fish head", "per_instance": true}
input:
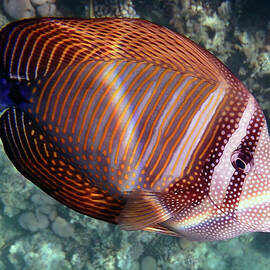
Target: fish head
{"points": [[253, 210], [230, 193]]}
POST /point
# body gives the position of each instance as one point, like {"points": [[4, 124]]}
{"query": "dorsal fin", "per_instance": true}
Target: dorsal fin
{"points": [[31, 48]]}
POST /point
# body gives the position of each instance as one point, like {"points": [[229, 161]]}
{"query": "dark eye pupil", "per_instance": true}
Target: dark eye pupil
{"points": [[240, 164]]}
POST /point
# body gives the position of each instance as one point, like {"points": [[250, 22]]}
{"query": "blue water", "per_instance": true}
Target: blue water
{"points": [[38, 233]]}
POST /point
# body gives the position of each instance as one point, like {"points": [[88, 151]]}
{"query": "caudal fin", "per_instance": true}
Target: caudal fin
{"points": [[13, 93]]}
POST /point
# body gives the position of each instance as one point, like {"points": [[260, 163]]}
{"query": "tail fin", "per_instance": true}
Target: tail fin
{"points": [[5, 100], [13, 93]]}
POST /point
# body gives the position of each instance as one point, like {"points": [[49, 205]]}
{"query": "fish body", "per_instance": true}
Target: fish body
{"points": [[126, 121]]}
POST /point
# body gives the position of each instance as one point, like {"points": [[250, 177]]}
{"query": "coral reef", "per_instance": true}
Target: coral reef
{"points": [[18, 9], [244, 49], [114, 8], [37, 232]]}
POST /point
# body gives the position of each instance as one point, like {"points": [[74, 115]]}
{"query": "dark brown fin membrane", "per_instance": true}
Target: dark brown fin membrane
{"points": [[143, 209], [43, 163], [32, 48]]}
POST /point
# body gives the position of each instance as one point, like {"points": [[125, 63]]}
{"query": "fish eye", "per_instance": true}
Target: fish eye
{"points": [[240, 164], [242, 161]]}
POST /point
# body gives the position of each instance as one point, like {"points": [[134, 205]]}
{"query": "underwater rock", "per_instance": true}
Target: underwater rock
{"points": [[48, 210], [48, 9], [39, 2], [45, 7], [33, 222], [62, 228], [148, 263], [42, 198], [19, 9], [186, 244]]}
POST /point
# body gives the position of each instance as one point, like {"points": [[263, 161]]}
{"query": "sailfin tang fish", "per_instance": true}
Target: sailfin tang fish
{"points": [[128, 122]]}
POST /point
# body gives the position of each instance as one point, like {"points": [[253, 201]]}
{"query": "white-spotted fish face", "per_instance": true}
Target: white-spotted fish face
{"points": [[253, 210], [231, 194], [244, 201]]}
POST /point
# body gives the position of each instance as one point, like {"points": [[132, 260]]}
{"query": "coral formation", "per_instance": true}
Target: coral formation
{"points": [[62, 228], [148, 263], [219, 31], [45, 7], [18, 9], [33, 222], [114, 8]]}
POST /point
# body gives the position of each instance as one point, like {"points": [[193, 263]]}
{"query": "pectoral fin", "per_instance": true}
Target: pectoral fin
{"points": [[144, 209]]}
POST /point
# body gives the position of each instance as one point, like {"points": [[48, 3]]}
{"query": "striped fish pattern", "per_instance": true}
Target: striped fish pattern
{"points": [[125, 121]]}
